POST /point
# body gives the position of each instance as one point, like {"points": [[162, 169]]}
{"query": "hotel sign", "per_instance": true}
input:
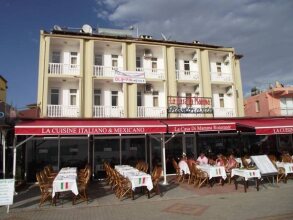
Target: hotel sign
{"points": [[189, 105], [136, 77]]}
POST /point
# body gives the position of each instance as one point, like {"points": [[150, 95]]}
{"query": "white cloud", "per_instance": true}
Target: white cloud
{"points": [[260, 30]]}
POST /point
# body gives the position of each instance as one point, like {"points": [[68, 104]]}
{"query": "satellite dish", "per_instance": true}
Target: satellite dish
{"points": [[87, 29], [57, 28]]}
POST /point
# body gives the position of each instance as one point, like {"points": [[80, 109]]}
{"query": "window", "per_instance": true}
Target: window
{"points": [[155, 99], [114, 97], [138, 62], [54, 96], [114, 61], [221, 100], [257, 107], [188, 99], [98, 60], [73, 59], [72, 94], [176, 64], [186, 65], [56, 57], [139, 99], [97, 97], [154, 63], [219, 68]]}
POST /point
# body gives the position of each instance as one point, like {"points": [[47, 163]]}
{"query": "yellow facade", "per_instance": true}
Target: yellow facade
{"points": [[3, 89], [128, 50]]}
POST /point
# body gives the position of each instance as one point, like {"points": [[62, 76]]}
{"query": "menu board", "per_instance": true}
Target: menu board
{"points": [[264, 164], [6, 191]]}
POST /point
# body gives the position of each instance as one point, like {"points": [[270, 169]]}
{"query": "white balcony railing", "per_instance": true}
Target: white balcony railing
{"points": [[149, 112], [187, 75], [190, 115], [105, 71], [63, 69], [224, 112], [221, 77], [62, 111], [108, 111], [152, 73]]}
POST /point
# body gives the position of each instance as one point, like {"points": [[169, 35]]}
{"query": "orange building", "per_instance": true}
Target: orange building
{"points": [[276, 101]]}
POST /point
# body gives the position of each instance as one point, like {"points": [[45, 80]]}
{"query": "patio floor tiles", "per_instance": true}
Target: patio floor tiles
{"points": [[186, 209]]}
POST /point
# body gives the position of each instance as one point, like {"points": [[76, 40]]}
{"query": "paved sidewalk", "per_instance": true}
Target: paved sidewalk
{"points": [[179, 201]]}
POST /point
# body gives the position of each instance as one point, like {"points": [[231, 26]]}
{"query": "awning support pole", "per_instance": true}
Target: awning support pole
{"points": [[14, 156], [163, 144], [4, 153]]}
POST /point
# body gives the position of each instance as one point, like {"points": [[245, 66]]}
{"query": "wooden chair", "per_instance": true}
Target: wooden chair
{"points": [[156, 176], [45, 189], [202, 177], [177, 169], [83, 187], [286, 158], [192, 175], [281, 176]]}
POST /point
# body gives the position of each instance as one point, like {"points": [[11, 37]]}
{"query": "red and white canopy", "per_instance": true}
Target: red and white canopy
{"points": [[92, 127]]}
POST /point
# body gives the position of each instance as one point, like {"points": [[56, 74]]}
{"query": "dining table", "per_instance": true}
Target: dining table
{"points": [[66, 180], [136, 177], [246, 175], [213, 172]]}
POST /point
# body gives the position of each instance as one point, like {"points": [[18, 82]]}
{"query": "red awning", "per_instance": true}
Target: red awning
{"points": [[199, 125], [85, 127], [268, 126]]}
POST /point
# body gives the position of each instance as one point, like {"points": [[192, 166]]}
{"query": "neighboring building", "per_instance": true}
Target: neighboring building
{"points": [[76, 72], [3, 88], [277, 101]]}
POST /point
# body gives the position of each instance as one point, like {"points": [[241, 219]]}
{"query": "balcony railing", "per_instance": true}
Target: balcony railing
{"points": [[182, 115], [187, 75], [105, 71], [63, 69], [108, 111], [281, 112], [150, 112], [224, 112], [62, 111], [152, 73], [221, 77]]}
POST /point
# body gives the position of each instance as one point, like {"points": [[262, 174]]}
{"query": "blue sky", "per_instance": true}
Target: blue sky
{"points": [[260, 30]]}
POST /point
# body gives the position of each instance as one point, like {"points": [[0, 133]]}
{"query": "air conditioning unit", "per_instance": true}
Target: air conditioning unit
{"points": [[226, 60], [148, 88], [146, 37], [196, 89], [229, 90], [147, 54], [194, 57]]}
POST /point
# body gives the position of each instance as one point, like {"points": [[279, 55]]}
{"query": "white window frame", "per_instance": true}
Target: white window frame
{"points": [[53, 93], [56, 57], [97, 93], [99, 57], [72, 94], [114, 94], [156, 99], [221, 98]]}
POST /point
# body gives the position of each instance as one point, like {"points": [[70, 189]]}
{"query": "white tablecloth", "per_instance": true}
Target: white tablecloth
{"points": [[183, 167], [214, 171], [287, 166], [136, 177], [247, 174], [65, 181]]}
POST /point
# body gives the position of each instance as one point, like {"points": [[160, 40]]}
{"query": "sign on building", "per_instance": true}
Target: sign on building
{"points": [[136, 77], [189, 105]]}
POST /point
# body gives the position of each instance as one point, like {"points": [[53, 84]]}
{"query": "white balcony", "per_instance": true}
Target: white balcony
{"points": [[71, 111], [63, 69], [151, 112], [108, 111], [187, 75], [152, 73], [105, 71], [221, 77], [224, 112]]}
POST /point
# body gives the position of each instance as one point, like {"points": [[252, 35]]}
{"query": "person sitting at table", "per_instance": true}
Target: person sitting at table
{"points": [[220, 160], [231, 163], [202, 159], [184, 169], [190, 160]]}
